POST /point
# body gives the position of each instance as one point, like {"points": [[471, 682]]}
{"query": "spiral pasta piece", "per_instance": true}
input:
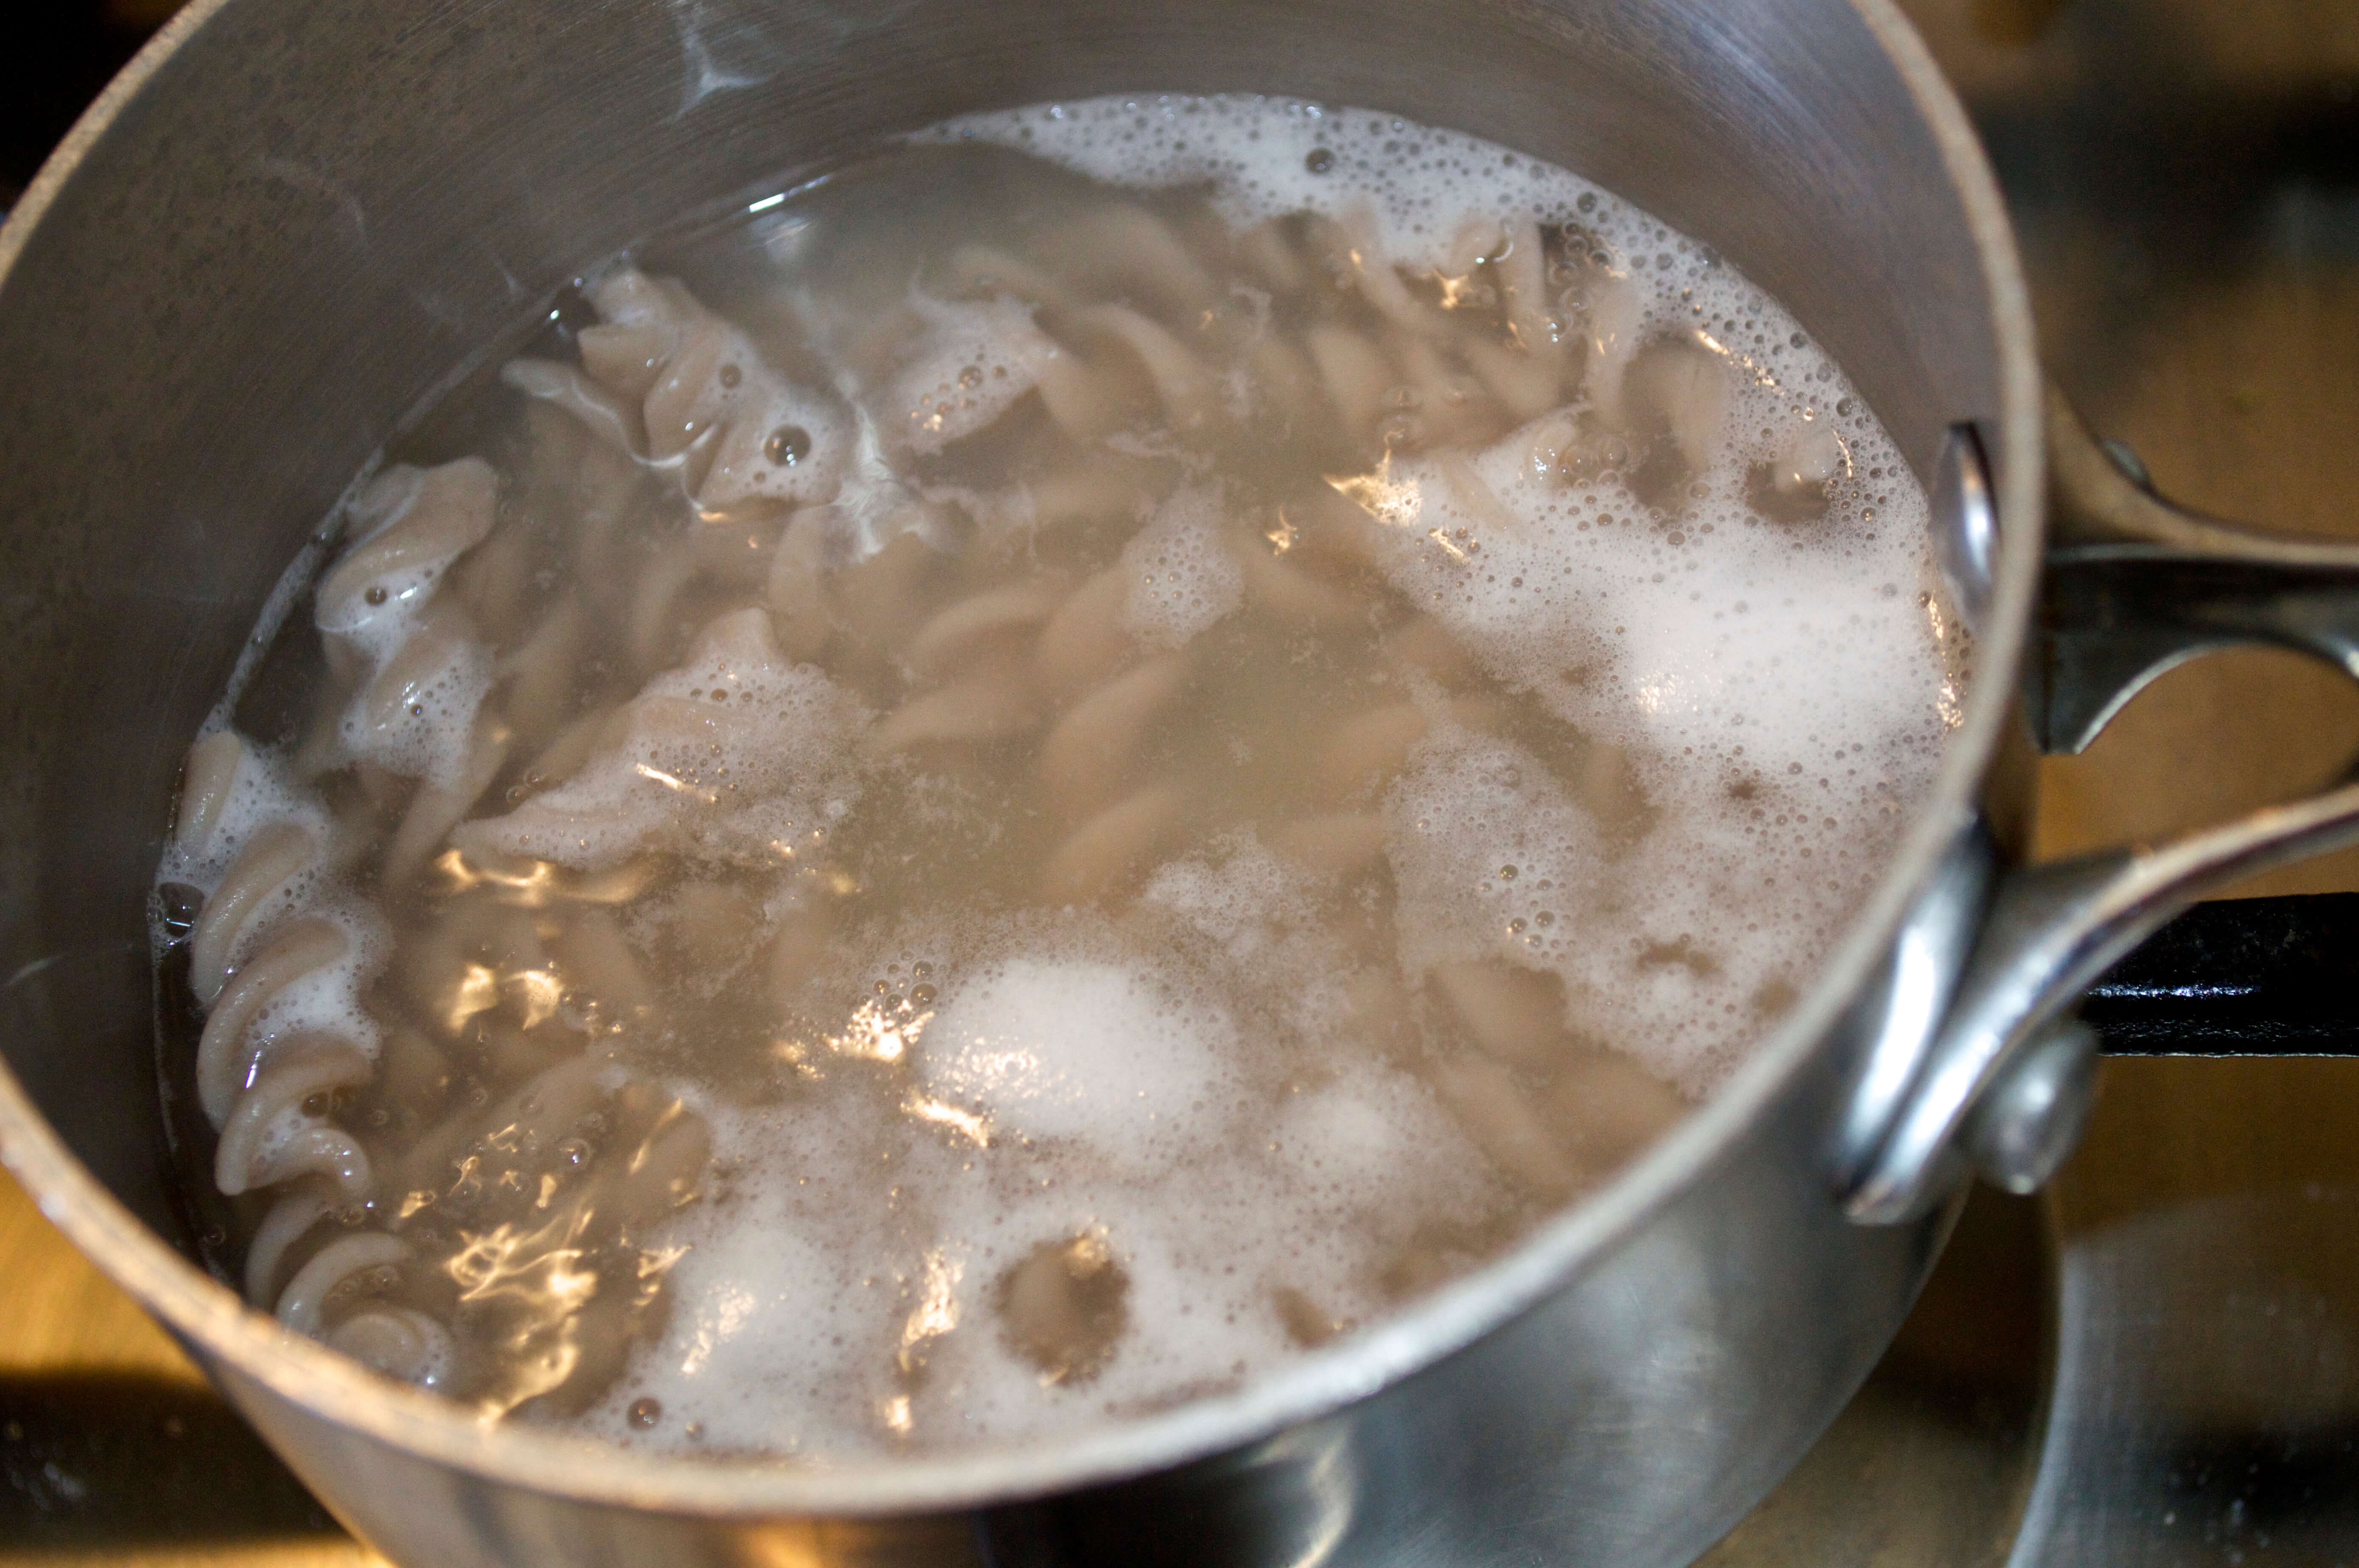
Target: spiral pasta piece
{"points": [[1091, 752], [212, 774], [978, 269], [401, 1343], [225, 1056], [1128, 253], [954, 632], [290, 1219], [273, 1133], [1089, 637], [991, 706], [1335, 845], [735, 428], [276, 853], [1182, 384], [420, 521], [1113, 847], [435, 809], [428, 658], [609, 417], [301, 1305], [973, 363]]}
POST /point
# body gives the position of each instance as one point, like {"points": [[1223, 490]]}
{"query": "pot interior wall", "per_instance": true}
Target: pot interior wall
{"points": [[309, 215]]}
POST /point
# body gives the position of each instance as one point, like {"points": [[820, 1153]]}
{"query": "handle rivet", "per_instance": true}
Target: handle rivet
{"points": [[2029, 1120]]}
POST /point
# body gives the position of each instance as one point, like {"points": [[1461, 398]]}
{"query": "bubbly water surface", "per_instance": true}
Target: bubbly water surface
{"points": [[1045, 773]]}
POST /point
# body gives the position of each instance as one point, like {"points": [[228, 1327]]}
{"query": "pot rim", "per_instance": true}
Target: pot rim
{"points": [[252, 1345]]}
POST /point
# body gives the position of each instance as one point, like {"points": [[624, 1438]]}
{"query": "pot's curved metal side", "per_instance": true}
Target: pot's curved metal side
{"points": [[1629, 1420], [288, 223]]}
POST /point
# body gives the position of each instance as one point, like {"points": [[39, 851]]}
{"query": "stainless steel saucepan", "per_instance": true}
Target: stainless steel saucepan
{"points": [[289, 221]]}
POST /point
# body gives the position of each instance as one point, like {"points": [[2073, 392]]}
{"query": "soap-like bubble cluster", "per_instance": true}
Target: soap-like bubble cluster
{"points": [[973, 361], [1728, 610], [1222, 1137]]}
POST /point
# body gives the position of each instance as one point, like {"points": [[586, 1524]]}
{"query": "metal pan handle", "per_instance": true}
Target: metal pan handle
{"points": [[2134, 586]]}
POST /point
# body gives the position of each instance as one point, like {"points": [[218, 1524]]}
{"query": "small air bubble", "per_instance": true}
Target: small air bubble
{"points": [[788, 445], [180, 907], [1320, 161], [645, 1413]]}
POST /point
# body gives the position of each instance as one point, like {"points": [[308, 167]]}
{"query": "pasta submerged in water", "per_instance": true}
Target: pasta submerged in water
{"points": [[1072, 762]]}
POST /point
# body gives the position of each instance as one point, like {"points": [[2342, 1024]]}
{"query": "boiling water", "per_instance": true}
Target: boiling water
{"points": [[1036, 776]]}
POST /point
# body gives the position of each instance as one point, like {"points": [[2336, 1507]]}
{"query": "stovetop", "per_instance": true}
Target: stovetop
{"points": [[2154, 1363]]}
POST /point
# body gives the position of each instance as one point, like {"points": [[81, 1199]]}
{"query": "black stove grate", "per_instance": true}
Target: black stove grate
{"points": [[2239, 977]]}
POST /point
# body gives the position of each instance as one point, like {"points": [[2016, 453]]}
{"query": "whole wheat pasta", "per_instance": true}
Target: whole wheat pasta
{"points": [[1495, 1113], [1113, 847], [1189, 398], [960, 629], [297, 1209], [990, 707], [274, 1135], [224, 1054], [275, 855], [1087, 638], [398, 1342], [608, 418], [211, 774], [1516, 1014], [1127, 253], [1126, 707], [1093, 749], [338, 1266]]}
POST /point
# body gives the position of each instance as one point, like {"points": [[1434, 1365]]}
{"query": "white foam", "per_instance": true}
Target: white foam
{"points": [[1766, 683], [1080, 1048], [426, 730], [1484, 840], [783, 1326], [807, 1287], [1238, 894], [1422, 186], [260, 794], [328, 1000], [1183, 581], [1689, 638], [975, 361], [755, 459]]}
